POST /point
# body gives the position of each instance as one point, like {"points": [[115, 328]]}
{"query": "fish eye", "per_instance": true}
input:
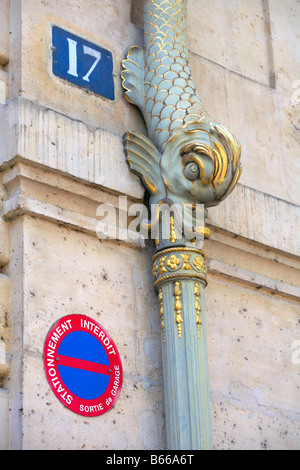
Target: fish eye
{"points": [[191, 171]]}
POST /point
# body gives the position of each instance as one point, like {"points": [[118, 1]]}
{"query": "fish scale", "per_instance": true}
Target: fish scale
{"points": [[159, 79], [171, 99]]}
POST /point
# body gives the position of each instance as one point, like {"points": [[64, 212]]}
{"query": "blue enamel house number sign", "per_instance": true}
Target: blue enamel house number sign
{"points": [[82, 63]]}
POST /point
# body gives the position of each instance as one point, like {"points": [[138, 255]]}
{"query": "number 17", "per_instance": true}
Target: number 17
{"points": [[73, 59]]}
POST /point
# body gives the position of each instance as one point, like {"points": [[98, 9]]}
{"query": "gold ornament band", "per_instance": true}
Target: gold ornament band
{"points": [[179, 263]]}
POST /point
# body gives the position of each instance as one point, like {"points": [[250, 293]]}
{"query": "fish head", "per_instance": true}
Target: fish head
{"points": [[201, 163]]}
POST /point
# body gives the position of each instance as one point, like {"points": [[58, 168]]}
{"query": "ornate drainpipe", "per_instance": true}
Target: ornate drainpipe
{"points": [[188, 163]]}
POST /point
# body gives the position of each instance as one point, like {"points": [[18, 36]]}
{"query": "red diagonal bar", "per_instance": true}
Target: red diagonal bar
{"points": [[82, 364]]}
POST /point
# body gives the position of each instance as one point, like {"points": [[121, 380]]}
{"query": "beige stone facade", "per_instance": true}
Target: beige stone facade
{"points": [[61, 156]]}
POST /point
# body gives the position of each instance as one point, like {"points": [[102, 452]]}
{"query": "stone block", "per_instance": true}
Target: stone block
{"points": [[248, 339], [3, 87], [105, 24], [256, 216], [100, 282], [54, 140], [4, 419], [224, 25], [267, 429], [4, 36], [284, 23], [4, 243]]}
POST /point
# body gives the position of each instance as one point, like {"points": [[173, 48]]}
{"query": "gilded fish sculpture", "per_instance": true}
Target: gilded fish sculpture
{"points": [[187, 158]]}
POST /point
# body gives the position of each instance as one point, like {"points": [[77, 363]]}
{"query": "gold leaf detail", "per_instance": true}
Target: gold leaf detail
{"points": [[178, 307], [198, 309], [186, 262], [173, 262], [155, 269], [160, 298], [172, 231], [161, 264], [198, 263]]}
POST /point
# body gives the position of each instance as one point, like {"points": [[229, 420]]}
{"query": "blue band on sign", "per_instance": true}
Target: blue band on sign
{"points": [[83, 383]]}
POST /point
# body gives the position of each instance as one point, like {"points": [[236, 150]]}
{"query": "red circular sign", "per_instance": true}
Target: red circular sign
{"points": [[82, 365]]}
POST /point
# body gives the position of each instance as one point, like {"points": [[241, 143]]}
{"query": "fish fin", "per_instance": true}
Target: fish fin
{"points": [[133, 77], [143, 159]]}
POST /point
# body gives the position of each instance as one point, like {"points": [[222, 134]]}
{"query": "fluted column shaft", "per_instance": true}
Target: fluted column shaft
{"points": [[180, 278]]}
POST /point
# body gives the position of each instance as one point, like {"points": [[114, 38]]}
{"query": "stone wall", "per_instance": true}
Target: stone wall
{"points": [[61, 156]]}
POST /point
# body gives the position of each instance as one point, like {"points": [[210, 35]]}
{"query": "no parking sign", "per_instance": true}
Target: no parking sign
{"points": [[82, 365]]}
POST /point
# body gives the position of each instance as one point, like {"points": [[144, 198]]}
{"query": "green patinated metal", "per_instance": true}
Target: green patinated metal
{"points": [[180, 277], [188, 163]]}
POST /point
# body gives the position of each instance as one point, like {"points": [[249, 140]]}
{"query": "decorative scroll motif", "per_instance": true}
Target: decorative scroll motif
{"points": [[198, 309], [179, 263], [186, 262], [162, 268], [178, 307], [187, 158], [160, 298]]}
